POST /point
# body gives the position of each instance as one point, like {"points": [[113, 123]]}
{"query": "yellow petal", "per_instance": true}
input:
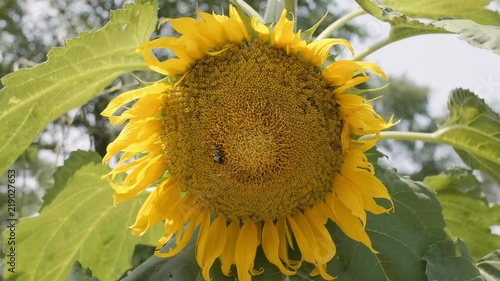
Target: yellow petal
{"points": [[350, 196], [340, 72], [355, 160], [321, 270], [270, 245], [323, 248], [360, 115], [318, 50], [157, 207], [183, 236], [285, 240], [227, 257], [345, 136], [373, 67], [245, 250], [147, 107], [326, 249], [284, 37], [353, 82], [233, 29], [212, 30], [176, 223], [185, 26], [261, 30], [361, 177], [303, 235], [202, 239], [349, 223], [174, 44], [129, 96], [139, 179], [135, 137], [216, 242]]}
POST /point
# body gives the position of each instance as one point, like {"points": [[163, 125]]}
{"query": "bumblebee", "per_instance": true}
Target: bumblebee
{"points": [[218, 155]]}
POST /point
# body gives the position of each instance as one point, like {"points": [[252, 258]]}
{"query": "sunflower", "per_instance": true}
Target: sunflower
{"points": [[253, 140]]}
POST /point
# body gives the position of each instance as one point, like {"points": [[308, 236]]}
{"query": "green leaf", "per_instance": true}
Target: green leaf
{"points": [[80, 223], [398, 14], [71, 76], [402, 238], [81, 274], [62, 175], [468, 215], [401, 25], [489, 266], [456, 180], [450, 260], [473, 129], [460, 9], [480, 36]]}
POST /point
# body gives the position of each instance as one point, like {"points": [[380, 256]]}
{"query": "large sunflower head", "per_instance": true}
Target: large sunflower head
{"points": [[253, 140]]}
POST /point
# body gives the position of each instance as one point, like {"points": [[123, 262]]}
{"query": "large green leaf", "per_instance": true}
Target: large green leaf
{"points": [[489, 266], [79, 223], [450, 260], [457, 180], [467, 214], [460, 9], [480, 36], [71, 76], [402, 238], [398, 14], [473, 129], [430, 9], [401, 25]]}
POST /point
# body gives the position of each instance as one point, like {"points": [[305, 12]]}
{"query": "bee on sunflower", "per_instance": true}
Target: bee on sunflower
{"points": [[253, 140]]}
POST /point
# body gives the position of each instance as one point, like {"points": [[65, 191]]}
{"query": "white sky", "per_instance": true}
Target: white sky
{"points": [[443, 62]]}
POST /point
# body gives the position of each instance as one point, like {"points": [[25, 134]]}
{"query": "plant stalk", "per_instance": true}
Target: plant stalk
{"points": [[340, 22]]}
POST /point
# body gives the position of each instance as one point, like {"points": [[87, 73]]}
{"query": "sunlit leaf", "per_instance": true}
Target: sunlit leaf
{"points": [[401, 25], [480, 36], [402, 238], [473, 129], [489, 266], [399, 13], [467, 214], [80, 223], [71, 76], [459, 9], [450, 260], [456, 180]]}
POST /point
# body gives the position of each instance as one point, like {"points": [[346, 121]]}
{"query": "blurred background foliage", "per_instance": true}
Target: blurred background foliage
{"points": [[30, 28]]}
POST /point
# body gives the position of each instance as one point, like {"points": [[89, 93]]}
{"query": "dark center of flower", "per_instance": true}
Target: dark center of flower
{"points": [[253, 133]]}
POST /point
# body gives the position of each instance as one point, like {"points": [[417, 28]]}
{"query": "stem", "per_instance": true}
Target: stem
{"points": [[408, 136], [373, 48], [340, 22]]}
